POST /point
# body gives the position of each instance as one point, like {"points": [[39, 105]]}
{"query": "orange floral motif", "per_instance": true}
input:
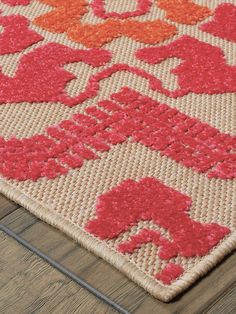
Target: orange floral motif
{"points": [[67, 15], [149, 32], [184, 11]]}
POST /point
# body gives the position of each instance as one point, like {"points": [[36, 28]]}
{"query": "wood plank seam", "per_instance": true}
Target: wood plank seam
{"points": [[7, 207], [5, 215], [63, 270]]}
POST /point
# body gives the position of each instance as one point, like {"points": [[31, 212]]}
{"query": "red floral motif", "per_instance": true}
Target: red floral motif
{"points": [[184, 139], [150, 200], [224, 22], [93, 85], [40, 78], [203, 70], [16, 35], [98, 7]]}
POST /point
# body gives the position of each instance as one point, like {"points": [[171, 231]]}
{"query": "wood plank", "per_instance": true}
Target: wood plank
{"points": [[110, 281], [225, 304], [6, 206], [30, 285], [70, 254]]}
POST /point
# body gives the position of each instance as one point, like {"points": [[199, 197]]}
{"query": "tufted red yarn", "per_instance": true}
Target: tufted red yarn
{"points": [[16, 35], [130, 202], [129, 115], [182, 138], [39, 78], [149, 199], [224, 22], [203, 70], [170, 273], [167, 248]]}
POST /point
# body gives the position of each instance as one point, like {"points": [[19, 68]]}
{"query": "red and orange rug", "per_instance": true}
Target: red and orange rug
{"points": [[117, 122]]}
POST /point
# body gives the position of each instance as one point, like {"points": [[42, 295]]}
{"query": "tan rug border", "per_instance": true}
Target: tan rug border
{"points": [[102, 250]]}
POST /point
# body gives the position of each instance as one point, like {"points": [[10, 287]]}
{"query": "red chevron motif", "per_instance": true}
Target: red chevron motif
{"points": [[150, 200], [128, 115]]}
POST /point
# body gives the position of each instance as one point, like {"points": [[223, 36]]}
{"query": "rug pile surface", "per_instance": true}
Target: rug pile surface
{"points": [[117, 126]]}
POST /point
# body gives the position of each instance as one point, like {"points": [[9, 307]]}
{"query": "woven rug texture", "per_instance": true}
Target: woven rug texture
{"points": [[117, 126]]}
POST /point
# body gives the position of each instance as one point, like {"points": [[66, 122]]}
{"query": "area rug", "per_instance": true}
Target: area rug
{"points": [[117, 123]]}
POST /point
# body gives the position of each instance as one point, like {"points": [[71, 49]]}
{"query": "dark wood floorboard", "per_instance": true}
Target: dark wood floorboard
{"points": [[212, 294]]}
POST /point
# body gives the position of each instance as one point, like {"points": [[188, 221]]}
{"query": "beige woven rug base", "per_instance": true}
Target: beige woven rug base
{"points": [[117, 126]]}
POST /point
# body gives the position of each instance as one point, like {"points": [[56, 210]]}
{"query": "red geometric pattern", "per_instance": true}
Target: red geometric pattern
{"points": [[150, 200], [186, 140], [203, 148]]}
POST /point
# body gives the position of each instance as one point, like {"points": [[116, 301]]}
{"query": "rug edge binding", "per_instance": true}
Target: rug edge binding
{"points": [[163, 293]]}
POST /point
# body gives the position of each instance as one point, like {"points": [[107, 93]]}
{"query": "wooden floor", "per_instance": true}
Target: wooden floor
{"points": [[28, 284]]}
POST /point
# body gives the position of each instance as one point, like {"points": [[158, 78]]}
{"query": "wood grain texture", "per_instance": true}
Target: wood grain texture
{"points": [[6, 206], [205, 296], [29, 285], [226, 303], [77, 259]]}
